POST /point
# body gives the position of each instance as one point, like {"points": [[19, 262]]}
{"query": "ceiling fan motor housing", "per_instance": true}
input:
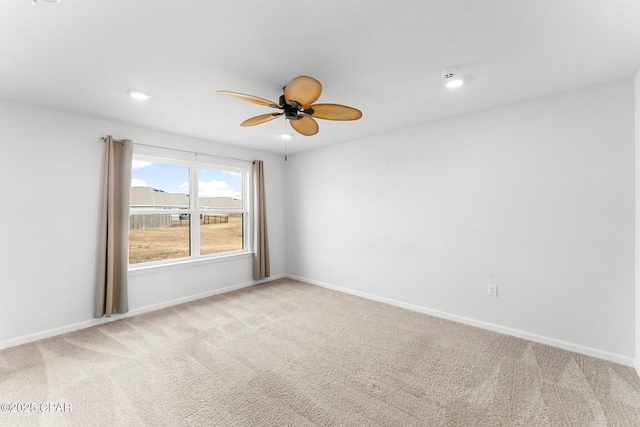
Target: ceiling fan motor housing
{"points": [[292, 110]]}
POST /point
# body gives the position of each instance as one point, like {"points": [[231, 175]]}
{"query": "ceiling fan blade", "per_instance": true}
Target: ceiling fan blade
{"points": [[249, 98], [263, 118], [303, 90], [335, 112], [306, 125]]}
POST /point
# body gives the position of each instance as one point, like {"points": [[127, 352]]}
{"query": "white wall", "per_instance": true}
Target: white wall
{"points": [[50, 171], [537, 198]]}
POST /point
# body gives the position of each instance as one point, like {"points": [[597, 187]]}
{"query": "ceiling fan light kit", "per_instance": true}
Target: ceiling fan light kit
{"points": [[297, 105], [451, 78]]}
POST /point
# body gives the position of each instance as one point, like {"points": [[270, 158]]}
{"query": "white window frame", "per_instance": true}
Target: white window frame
{"points": [[180, 158]]}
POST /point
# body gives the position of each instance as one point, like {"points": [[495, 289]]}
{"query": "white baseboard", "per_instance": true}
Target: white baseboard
{"points": [[93, 322], [636, 365], [577, 348]]}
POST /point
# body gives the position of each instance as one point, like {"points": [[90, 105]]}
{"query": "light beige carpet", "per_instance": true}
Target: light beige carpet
{"points": [[288, 353]]}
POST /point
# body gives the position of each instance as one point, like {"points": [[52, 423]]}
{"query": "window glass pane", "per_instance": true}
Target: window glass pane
{"points": [[159, 186], [221, 232], [219, 189], [156, 237]]}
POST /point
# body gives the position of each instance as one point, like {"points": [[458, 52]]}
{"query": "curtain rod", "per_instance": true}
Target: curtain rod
{"points": [[121, 141]]}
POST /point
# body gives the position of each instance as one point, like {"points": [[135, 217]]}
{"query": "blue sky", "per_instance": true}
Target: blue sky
{"points": [[175, 179]]}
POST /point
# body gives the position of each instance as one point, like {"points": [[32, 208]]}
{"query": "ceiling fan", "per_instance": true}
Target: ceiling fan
{"points": [[297, 105]]}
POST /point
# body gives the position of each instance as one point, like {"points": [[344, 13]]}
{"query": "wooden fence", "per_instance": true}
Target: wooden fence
{"points": [[145, 221], [215, 219], [137, 222]]}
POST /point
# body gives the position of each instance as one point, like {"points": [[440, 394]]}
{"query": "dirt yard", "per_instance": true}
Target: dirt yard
{"points": [[156, 244]]}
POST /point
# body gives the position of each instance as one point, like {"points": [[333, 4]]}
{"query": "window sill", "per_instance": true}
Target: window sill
{"points": [[135, 270]]}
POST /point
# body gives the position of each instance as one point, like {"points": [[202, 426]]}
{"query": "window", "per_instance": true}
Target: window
{"points": [[166, 224]]}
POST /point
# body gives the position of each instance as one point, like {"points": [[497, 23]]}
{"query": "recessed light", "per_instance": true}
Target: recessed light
{"points": [[138, 94], [285, 135], [454, 83]]}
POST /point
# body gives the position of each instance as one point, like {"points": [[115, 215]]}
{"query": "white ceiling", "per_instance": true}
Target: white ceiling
{"points": [[382, 57]]}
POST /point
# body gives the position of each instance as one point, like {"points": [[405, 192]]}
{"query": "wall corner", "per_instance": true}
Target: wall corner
{"points": [[636, 112]]}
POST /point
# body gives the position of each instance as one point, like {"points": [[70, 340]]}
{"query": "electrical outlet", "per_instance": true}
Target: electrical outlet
{"points": [[492, 290]]}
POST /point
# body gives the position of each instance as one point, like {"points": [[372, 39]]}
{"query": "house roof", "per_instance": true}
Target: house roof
{"points": [[382, 57], [151, 197], [148, 196]]}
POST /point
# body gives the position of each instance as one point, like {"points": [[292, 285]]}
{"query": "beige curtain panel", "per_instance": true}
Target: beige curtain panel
{"points": [[111, 290], [261, 269]]}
